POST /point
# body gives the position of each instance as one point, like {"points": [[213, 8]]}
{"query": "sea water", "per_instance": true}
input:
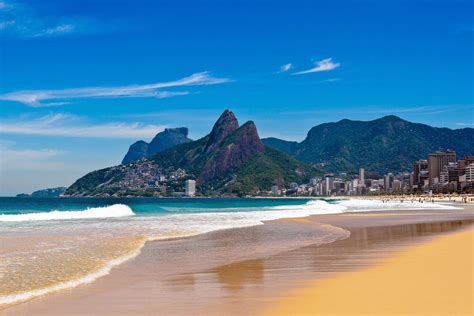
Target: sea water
{"points": [[49, 244]]}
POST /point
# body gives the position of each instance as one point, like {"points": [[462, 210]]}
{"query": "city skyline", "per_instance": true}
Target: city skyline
{"points": [[80, 82]]}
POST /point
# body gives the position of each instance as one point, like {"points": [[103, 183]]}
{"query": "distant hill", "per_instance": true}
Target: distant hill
{"points": [[388, 144], [231, 159], [168, 138], [51, 192]]}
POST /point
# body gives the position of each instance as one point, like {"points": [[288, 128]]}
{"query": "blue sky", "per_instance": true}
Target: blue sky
{"points": [[81, 80]]}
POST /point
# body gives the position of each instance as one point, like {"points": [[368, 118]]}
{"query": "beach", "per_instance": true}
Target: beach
{"points": [[278, 267], [435, 278], [453, 198]]}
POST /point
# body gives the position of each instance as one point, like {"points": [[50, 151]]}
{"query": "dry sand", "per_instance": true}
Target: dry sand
{"points": [[435, 278]]}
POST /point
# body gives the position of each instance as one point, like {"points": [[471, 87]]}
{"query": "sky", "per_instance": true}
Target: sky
{"points": [[82, 80]]}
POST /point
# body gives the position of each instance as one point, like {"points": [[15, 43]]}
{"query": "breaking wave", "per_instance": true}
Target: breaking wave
{"points": [[116, 210]]}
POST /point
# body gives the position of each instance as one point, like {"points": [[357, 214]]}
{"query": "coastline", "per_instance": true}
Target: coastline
{"points": [[258, 274]]}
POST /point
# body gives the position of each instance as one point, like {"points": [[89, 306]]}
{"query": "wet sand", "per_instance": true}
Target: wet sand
{"points": [[246, 270]]}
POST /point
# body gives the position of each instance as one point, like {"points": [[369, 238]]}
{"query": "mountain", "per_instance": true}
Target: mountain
{"points": [[51, 192], [136, 151], [168, 138], [231, 159], [388, 144]]}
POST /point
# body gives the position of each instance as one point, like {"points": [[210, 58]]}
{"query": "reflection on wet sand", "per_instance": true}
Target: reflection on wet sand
{"points": [[236, 276], [360, 250]]}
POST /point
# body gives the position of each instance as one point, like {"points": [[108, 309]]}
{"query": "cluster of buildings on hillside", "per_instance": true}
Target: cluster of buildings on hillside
{"points": [[147, 175], [440, 173]]}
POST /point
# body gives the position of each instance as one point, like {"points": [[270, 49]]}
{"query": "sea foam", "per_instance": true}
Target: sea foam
{"points": [[19, 297], [116, 210]]}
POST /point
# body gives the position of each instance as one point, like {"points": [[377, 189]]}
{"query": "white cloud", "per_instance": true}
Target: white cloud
{"points": [[28, 159], [36, 98], [21, 20], [6, 24], [331, 80], [322, 65], [65, 125], [57, 30], [465, 124], [285, 67]]}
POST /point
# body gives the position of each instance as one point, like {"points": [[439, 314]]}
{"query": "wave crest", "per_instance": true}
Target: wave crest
{"points": [[116, 210]]}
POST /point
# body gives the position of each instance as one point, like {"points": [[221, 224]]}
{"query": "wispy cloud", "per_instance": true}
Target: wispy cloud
{"points": [[20, 20], [285, 67], [322, 65], [41, 98], [431, 109], [464, 124], [6, 24], [331, 80], [56, 30], [28, 159], [66, 125]]}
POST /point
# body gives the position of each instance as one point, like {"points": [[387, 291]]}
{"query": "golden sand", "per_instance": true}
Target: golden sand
{"points": [[434, 278]]}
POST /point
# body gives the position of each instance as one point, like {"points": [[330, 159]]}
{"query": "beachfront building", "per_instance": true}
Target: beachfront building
{"points": [[436, 163], [190, 187], [470, 175], [275, 190], [396, 186], [362, 176], [329, 183], [387, 182], [420, 173]]}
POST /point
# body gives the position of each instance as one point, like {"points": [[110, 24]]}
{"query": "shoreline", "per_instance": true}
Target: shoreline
{"points": [[436, 197], [133, 270]]}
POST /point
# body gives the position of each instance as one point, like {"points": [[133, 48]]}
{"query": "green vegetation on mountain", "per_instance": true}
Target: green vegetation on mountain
{"points": [[272, 167], [388, 144], [44, 193]]}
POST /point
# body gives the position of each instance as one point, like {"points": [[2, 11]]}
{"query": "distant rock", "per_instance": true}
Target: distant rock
{"points": [[136, 151], [168, 138], [45, 193]]}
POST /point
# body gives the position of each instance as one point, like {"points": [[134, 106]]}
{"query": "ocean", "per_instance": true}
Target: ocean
{"points": [[49, 244]]}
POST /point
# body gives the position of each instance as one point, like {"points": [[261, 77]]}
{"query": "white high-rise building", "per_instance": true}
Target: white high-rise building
{"points": [[275, 190], [190, 187], [329, 184], [361, 176], [470, 173]]}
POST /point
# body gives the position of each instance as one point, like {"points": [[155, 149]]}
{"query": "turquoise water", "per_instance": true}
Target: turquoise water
{"points": [[140, 206]]}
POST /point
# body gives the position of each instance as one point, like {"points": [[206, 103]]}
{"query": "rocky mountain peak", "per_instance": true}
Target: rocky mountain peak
{"points": [[166, 139], [136, 151], [237, 148], [224, 126], [178, 130]]}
